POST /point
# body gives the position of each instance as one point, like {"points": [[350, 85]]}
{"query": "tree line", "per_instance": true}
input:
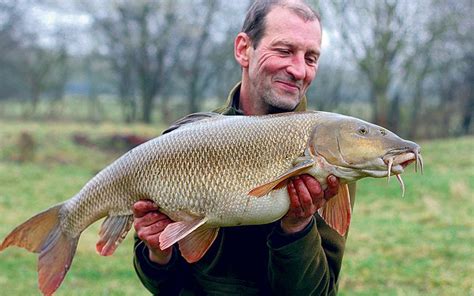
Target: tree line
{"points": [[402, 64]]}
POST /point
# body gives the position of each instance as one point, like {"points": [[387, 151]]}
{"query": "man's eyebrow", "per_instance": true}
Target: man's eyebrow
{"points": [[314, 52], [283, 43]]}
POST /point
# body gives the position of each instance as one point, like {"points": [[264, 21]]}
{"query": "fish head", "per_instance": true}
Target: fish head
{"points": [[361, 149]]}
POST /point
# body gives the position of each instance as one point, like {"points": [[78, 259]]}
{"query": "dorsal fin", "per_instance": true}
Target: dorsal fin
{"points": [[191, 118]]}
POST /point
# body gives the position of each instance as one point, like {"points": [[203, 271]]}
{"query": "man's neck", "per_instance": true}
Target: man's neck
{"points": [[248, 105], [250, 108], [256, 107]]}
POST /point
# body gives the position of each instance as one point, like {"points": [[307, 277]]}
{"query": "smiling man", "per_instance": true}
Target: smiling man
{"points": [[278, 50], [278, 68]]}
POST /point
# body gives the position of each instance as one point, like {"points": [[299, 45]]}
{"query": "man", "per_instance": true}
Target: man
{"points": [[278, 50]]}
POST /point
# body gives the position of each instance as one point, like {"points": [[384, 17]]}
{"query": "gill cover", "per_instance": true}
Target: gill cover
{"points": [[350, 142]]}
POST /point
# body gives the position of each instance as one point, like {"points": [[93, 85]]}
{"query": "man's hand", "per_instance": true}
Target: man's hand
{"points": [[306, 197], [149, 223]]}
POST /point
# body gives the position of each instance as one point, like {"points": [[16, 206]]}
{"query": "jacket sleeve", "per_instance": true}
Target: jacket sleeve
{"points": [[158, 279], [306, 263]]}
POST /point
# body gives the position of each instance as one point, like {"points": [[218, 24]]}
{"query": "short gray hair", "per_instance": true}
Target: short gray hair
{"points": [[254, 23]]}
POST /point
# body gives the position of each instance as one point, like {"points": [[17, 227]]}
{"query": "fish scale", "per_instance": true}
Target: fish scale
{"points": [[219, 179]]}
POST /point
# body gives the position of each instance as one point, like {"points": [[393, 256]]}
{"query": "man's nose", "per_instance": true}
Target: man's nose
{"points": [[297, 68]]}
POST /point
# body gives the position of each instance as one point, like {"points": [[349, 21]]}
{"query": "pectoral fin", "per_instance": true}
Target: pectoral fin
{"points": [[337, 211], [176, 231], [281, 180]]}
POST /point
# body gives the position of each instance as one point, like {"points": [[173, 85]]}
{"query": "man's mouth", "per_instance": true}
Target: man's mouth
{"points": [[288, 86]]}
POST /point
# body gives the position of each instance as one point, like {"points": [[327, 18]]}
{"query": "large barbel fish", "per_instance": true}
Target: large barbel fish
{"points": [[213, 171]]}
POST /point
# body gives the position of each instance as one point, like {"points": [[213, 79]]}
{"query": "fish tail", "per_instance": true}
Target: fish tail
{"points": [[42, 234]]}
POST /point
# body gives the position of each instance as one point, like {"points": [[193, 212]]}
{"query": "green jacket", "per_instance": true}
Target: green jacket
{"points": [[252, 260]]}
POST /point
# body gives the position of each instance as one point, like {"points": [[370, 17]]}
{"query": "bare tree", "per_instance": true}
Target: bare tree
{"points": [[433, 52], [117, 29], [375, 33], [197, 76], [398, 46], [37, 67], [468, 92], [45, 69], [154, 50], [11, 32], [59, 74], [142, 40]]}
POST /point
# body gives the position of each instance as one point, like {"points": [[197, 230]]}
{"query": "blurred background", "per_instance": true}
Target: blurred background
{"points": [[407, 66], [81, 82]]}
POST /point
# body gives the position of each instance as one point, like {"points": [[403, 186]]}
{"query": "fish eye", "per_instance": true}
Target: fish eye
{"points": [[383, 132], [363, 130]]}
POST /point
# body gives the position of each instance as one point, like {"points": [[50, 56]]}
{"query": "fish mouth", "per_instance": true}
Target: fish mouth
{"points": [[397, 160]]}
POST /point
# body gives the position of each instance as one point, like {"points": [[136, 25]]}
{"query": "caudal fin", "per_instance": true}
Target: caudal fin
{"points": [[42, 234]]}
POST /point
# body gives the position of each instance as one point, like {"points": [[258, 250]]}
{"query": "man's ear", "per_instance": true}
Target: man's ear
{"points": [[242, 47]]}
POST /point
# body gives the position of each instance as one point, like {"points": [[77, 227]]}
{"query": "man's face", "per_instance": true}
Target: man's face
{"points": [[285, 61]]}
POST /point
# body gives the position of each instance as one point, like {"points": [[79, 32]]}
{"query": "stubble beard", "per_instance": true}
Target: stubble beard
{"points": [[278, 104]]}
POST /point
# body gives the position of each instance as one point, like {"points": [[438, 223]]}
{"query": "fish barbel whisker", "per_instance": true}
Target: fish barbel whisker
{"points": [[400, 180], [419, 161], [389, 165]]}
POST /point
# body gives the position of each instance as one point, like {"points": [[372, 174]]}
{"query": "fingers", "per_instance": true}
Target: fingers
{"points": [[151, 234], [309, 193], [301, 208], [333, 187], [149, 223], [316, 192], [150, 219], [142, 207], [295, 206], [313, 186]]}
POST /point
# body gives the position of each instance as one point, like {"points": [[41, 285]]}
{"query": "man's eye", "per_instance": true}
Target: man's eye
{"points": [[311, 60], [283, 51]]}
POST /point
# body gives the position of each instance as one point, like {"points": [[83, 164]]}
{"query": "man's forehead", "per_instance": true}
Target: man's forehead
{"points": [[282, 17], [295, 9], [287, 28]]}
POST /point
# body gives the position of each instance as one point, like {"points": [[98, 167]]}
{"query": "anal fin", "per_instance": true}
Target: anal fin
{"points": [[112, 232], [337, 211]]}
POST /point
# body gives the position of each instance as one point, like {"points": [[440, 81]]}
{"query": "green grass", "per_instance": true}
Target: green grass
{"points": [[421, 244]]}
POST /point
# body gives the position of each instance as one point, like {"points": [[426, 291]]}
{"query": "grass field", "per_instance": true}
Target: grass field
{"points": [[421, 244]]}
